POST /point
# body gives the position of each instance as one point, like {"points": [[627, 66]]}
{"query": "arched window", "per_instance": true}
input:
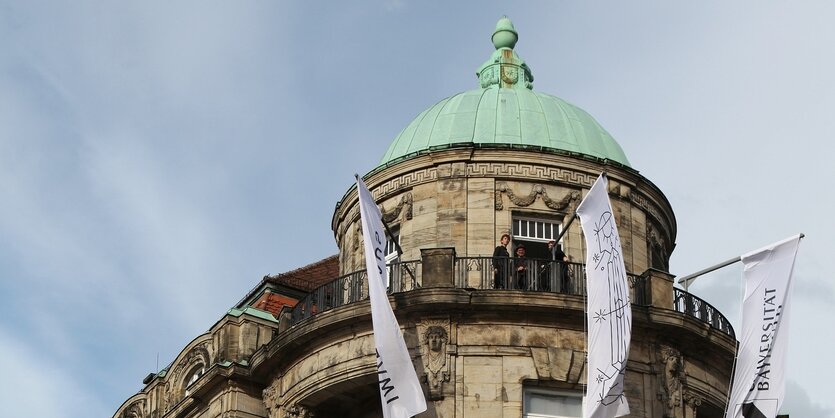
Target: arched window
{"points": [[192, 377]]}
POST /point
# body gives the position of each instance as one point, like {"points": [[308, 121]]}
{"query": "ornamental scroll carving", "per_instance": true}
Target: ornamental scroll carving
{"points": [[134, 410], [270, 396], [536, 191], [672, 382], [404, 206], [692, 402], [658, 249], [435, 354], [299, 411], [175, 387]]}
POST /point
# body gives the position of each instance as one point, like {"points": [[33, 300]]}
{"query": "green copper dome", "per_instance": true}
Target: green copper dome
{"points": [[505, 111]]}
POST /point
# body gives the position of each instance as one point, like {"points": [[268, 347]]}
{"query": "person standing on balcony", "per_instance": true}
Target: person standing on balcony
{"points": [[521, 265], [561, 271], [501, 258]]}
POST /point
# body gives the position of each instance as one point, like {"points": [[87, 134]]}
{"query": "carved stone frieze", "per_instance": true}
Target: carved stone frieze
{"points": [[135, 410], [404, 206], [692, 402], [672, 382], [271, 402], [176, 378], [299, 411], [435, 353], [536, 191], [658, 249]]}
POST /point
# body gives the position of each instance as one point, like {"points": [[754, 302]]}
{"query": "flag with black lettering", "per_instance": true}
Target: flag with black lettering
{"points": [[400, 390], [759, 384], [609, 311]]}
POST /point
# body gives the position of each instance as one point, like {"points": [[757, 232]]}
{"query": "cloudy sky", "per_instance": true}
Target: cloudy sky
{"points": [[158, 158]]}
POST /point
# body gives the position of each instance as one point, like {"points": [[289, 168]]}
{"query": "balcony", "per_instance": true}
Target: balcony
{"points": [[502, 274]]}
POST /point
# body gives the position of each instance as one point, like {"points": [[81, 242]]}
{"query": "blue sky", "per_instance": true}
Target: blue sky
{"points": [[158, 158]]}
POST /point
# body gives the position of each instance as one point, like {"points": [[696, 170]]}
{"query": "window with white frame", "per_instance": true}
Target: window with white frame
{"points": [[532, 229], [549, 403], [391, 253], [391, 248]]}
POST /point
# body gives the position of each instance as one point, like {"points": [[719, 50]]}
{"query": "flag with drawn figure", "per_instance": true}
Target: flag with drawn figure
{"points": [[400, 391], [609, 311], [758, 384]]}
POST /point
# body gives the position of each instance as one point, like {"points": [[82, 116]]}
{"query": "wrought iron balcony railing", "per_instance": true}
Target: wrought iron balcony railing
{"points": [[691, 305], [533, 275], [529, 275], [353, 287]]}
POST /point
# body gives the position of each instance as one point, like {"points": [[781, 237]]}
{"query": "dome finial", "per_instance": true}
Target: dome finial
{"points": [[505, 35], [504, 68]]}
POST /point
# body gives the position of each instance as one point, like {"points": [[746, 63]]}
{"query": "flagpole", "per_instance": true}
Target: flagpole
{"points": [[565, 228], [686, 280]]}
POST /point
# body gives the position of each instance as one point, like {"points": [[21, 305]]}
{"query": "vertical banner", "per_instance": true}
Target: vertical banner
{"points": [[609, 312], [400, 391], [758, 384]]}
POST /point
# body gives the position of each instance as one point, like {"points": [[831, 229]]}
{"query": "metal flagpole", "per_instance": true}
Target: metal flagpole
{"points": [[686, 280], [565, 228]]}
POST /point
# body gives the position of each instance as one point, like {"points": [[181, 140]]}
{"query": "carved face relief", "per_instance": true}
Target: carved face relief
{"points": [[436, 338]]}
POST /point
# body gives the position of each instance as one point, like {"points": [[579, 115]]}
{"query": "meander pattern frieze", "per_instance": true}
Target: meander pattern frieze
{"points": [[539, 172], [405, 180]]}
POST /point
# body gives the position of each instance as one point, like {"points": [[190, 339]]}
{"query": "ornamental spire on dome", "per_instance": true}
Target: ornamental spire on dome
{"points": [[504, 68]]}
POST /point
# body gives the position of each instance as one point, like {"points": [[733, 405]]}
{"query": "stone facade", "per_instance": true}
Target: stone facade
{"points": [[466, 198]]}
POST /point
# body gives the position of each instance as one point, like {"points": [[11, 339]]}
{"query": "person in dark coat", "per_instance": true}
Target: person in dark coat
{"points": [[559, 260], [520, 264], [501, 258]]}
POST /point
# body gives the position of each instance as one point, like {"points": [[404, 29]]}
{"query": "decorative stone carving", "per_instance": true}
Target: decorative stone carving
{"points": [[433, 347], [659, 252], [405, 206], [270, 396], [135, 410], [672, 381], [692, 403], [560, 364], [299, 411], [536, 190], [176, 378]]}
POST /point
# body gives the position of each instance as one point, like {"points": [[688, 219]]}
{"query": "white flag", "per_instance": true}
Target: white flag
{"points": [[759, 384], [609, 310], [400, 391]]}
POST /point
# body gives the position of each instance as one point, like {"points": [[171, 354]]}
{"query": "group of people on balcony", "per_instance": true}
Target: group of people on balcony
{"points": [[518, 272]]}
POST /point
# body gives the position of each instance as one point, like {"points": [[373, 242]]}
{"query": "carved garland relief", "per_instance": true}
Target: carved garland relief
{"points": [[536, 191]]}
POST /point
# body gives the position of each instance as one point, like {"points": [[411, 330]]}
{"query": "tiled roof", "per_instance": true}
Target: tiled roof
{"points": [[310, 276]]}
